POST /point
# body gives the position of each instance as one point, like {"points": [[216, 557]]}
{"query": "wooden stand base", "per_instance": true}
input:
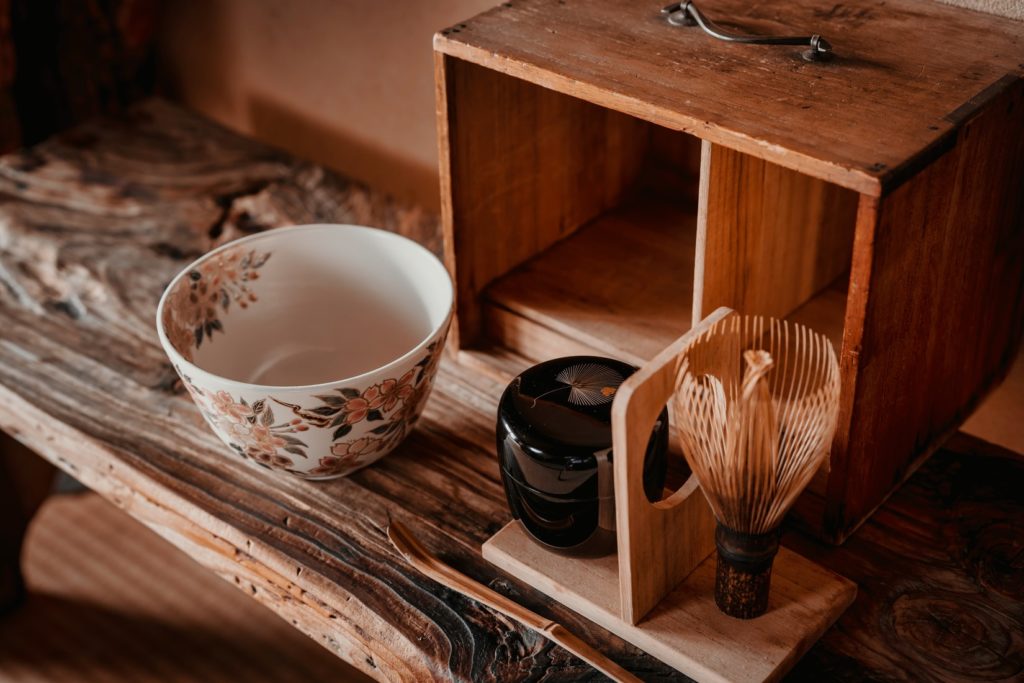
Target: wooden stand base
{"points": [[686, 630]]}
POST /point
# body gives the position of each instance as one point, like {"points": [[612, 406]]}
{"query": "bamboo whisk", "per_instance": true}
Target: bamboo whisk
{"points": [[755, 407]]}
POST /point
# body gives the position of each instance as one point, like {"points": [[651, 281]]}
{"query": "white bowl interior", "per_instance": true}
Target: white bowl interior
{"points": [[332, 302]]}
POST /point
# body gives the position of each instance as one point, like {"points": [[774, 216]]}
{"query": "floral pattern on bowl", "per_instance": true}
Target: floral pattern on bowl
{"points": [[381, 414], [194, 313]]}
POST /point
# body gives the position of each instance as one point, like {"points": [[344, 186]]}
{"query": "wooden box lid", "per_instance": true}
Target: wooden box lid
{"points": [[906, 74]]}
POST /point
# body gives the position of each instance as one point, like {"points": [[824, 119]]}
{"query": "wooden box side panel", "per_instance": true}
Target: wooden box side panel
{"points": [[521, 168], [768, 238], [936, 311]]}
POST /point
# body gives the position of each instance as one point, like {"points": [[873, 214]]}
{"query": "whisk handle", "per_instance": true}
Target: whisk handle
{"points": [[743, 572]]}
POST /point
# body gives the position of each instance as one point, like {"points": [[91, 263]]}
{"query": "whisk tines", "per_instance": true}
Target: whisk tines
{"points": [[755, 408]]}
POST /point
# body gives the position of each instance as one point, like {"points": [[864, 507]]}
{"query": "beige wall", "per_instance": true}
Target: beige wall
{"points": [[1007, 8], [347, 83]]}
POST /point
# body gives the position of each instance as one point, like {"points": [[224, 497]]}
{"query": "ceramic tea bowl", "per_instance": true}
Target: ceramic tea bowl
{"points": [[309, 350]]}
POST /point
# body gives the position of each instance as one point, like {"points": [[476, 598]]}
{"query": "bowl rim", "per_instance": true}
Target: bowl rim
{"points": [[181, 362]]}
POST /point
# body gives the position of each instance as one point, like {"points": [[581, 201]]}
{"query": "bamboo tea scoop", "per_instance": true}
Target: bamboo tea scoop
{"points": [[421, 558]]}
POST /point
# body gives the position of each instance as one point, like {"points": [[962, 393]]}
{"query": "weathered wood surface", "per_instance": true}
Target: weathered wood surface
{"points": [[92, 225], [906, 73], [940, 577]]}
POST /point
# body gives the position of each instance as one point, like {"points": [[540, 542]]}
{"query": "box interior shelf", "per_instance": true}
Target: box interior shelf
{"points": [[621, 286]]}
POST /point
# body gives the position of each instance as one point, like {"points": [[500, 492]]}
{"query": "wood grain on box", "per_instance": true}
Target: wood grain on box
{"points": [[936, 309], [771, 238], [530, 164], [902, 68], [622, 285], [825, 193]]}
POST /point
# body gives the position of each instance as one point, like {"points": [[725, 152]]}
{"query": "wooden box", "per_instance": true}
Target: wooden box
{"points": [[608, 179]]}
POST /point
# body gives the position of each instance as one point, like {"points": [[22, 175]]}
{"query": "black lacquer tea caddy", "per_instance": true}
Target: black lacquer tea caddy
{"points": [[554, 442]]}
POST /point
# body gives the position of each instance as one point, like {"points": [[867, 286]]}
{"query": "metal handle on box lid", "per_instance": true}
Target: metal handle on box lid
{"points": [[687, 14]]}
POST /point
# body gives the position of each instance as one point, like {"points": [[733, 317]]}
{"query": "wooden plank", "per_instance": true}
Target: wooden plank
{"points": [[621, 286], [906, 73], [672, 167], [810, 508], [779, 243], [497, 362], [772, 238], [940, 258], [522, 167], [538, 342], [687, 630], [825, 312]]}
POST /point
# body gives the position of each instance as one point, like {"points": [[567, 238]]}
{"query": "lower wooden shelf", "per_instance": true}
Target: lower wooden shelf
{"points": [[621, 286], [686, 630]]}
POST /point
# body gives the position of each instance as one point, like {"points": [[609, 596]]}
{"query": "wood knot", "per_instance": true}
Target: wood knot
{"points": [[995, 553], [956, 634]]}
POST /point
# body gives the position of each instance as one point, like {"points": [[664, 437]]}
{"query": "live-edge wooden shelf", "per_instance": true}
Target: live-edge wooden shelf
{"points": [[104, 407]]}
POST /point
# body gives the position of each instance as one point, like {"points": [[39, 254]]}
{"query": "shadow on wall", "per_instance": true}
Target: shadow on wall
{"points": [[359, 156], [346, 84]]}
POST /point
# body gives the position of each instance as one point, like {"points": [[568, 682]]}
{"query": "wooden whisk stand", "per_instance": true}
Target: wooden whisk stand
{"points": [[657, 592]]}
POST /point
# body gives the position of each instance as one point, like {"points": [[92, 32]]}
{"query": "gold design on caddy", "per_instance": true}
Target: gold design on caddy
{"points": [[590, 384]]}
